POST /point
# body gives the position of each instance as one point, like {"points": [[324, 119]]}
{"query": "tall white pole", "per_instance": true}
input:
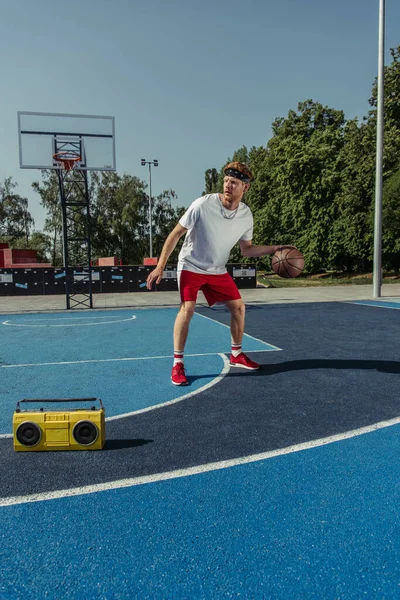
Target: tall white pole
{"points": [[377, 275], [150, 215]]}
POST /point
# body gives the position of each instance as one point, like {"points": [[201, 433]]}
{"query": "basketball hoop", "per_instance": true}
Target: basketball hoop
{"points": [[67, 160]]}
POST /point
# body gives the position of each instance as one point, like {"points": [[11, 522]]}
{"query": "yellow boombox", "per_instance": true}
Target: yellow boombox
{"points": [[79, 429]]}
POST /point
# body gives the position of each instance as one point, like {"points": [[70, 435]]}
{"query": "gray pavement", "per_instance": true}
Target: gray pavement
{"points": [[259, 295]]}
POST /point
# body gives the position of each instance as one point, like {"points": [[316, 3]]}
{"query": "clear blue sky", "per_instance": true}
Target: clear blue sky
{"points": [[188, 82]]}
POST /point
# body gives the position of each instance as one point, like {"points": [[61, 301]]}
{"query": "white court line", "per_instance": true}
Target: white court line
{"points": [[67, 318], [208, 385], [105, 360], [68, 325], [219, 377], [215, 466], [245, 335]]}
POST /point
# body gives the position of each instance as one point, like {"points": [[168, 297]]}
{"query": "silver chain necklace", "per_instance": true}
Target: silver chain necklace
{"points": [[232, 214]]}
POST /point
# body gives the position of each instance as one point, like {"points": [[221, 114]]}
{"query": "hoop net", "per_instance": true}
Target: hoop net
{"points": [[67, 160]]}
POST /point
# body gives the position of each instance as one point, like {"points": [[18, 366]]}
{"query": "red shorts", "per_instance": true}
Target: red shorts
{"points": [[216, 288]]}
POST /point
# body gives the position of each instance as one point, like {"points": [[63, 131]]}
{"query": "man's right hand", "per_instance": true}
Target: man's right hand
{"points": [[155, 276]]}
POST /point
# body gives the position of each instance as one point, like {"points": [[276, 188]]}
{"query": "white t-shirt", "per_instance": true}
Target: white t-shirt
{"points": [[210, 236]]}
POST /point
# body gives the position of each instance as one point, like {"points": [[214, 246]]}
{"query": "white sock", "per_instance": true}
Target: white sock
{"points": [[236, 349], [178, 357]]}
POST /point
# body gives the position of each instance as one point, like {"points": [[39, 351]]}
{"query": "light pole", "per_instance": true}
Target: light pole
{"points": [[155, 164], [377, 275]]}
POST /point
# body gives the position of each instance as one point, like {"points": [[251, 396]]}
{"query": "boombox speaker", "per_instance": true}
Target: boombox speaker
{"points": [[78, 429]]}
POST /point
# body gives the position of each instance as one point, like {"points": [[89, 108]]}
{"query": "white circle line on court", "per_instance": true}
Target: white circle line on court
{"points": [[197, 470], [68, 324], [225, 371], [208, 385], [127, 359]]}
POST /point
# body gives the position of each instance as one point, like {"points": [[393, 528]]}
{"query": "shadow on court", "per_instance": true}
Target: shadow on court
{"points": [[383, 366], [120, 444]]}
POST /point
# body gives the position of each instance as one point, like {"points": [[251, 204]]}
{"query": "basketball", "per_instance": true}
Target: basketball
{"points": [[288, 262]]}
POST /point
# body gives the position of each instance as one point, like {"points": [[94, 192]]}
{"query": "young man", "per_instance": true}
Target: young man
{"points": [[213, 224]]}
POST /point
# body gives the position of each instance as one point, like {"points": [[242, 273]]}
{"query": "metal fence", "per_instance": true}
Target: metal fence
{"points": [[46, 281]]}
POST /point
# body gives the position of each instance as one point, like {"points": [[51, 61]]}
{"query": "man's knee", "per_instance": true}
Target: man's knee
{"points": [[237, 308], [186, 310]]}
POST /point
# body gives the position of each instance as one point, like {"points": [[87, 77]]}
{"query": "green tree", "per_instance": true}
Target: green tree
{"points": [[120, 209], [300, 175], [49, 192], [391, 222], [354, 225], [391, 112], [119, 212], [211, 181], [257, 196], [38, 241], [352, 231], [15, 219], [314, 182], [119, 216], [165, 217]]}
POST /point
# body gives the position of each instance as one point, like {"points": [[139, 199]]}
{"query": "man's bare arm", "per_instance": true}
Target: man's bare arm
{"points": [[248, 250], [169, 246]]}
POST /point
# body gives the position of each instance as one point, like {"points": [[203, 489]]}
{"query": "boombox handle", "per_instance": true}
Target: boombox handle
{"points": [[61, 400]]}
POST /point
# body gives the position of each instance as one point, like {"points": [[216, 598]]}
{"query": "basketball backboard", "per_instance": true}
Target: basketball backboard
{"points": [[41, 135]]}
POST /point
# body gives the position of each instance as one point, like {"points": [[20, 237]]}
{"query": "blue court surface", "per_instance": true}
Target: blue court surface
{"points": [[281, 483]]}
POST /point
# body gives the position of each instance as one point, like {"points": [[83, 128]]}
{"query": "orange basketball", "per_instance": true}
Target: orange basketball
{"points": [[288, 262]]}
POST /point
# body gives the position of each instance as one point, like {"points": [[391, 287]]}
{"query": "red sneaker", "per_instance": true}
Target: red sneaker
{"points": [[243, 362], [178, 376]]}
